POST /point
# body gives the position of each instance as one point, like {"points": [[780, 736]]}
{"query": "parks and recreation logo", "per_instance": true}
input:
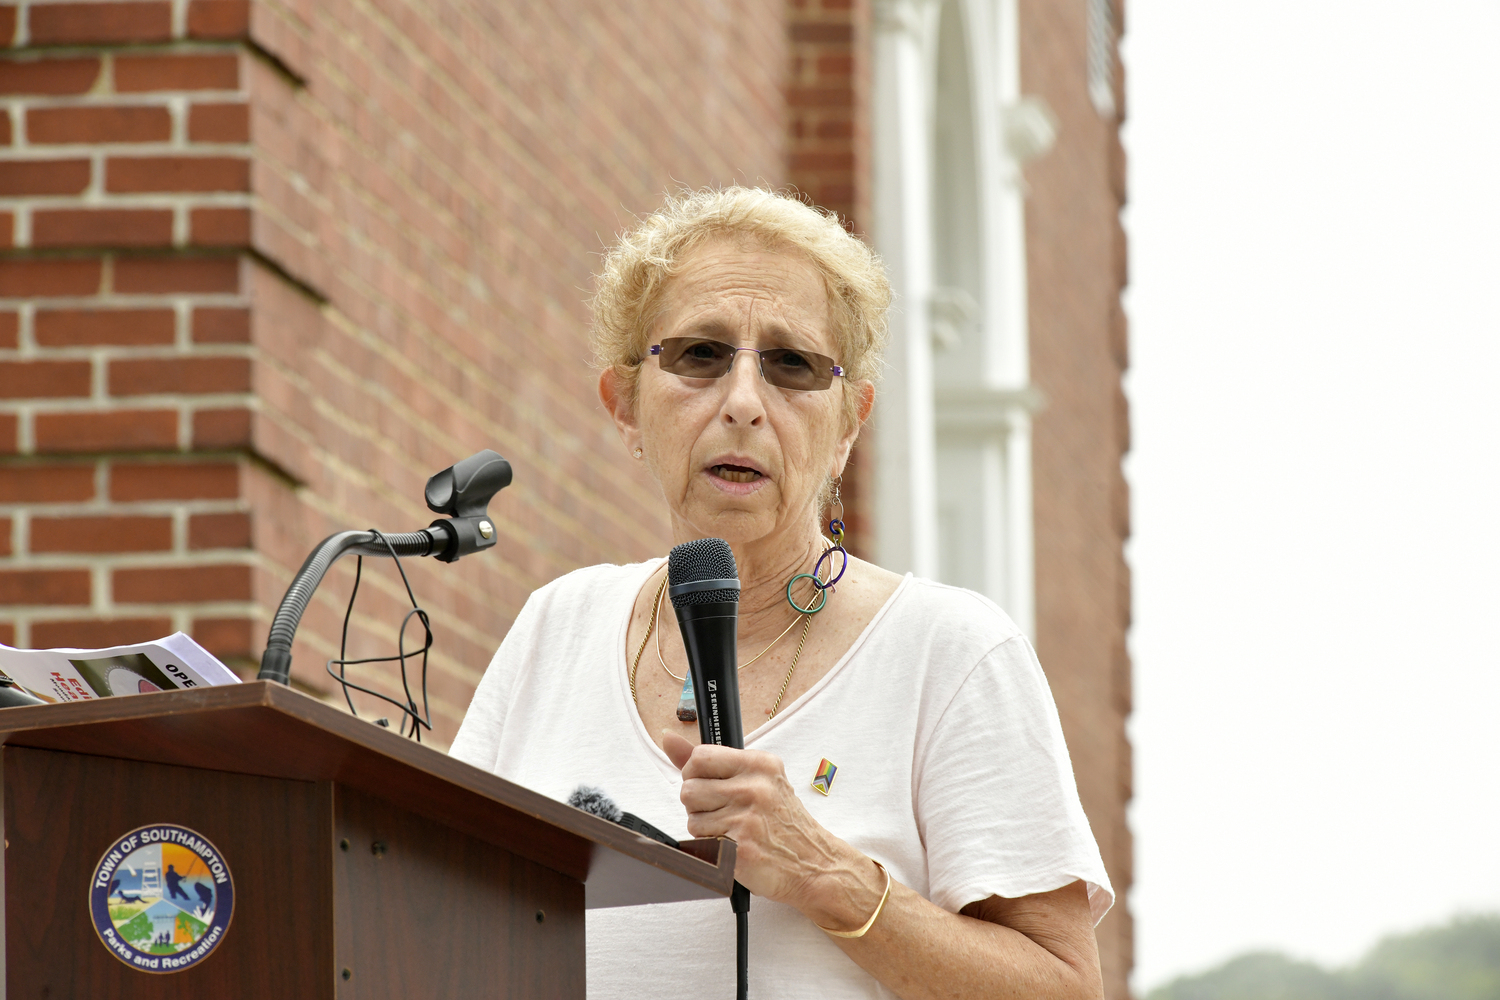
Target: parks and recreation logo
{"points": [[161, 898]]}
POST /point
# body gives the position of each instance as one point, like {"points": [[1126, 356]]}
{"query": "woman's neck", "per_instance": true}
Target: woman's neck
{"points": [[765, 565]]}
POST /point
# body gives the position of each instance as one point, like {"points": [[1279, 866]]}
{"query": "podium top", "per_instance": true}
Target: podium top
{"points": [[265, 729]]}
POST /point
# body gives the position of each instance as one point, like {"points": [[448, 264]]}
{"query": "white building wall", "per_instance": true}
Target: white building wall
{"points": [[906, 475], [953, 430]]}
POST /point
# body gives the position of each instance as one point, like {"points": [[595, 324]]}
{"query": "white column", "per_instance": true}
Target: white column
{"points": [[906, 473], [1009, 355], [1020, 571], [1013, 356]]}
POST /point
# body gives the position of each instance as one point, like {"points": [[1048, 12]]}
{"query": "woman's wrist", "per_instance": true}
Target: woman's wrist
{"points": [[844, 895], [864, 928]]}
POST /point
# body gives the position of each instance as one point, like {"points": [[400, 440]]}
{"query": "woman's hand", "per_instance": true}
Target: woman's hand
{"points": [[1039, 946], [782, 853]]}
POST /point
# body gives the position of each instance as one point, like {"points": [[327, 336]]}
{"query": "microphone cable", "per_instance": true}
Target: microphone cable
{"points": [[704, 586], [595, 801], [739, 901], [418, 719]]}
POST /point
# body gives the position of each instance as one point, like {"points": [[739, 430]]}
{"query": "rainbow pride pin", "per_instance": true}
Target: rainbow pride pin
{"points": [[823, 780]]}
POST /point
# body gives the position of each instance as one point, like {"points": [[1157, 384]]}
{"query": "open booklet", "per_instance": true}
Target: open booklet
{"points": [[83, 674]]}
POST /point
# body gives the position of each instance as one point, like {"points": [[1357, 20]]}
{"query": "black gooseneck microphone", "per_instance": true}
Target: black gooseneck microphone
{"points": [[705, 590]]}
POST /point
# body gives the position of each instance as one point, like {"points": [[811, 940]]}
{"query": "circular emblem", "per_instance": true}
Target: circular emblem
{"points": [[161, 898]]}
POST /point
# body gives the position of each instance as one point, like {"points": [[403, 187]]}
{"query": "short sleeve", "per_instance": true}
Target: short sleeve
{"points": [[478, 739], [996, 802]]}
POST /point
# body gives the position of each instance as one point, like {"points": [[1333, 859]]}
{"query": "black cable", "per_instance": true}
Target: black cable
{"points": [[409, 713], [276, 661], [359, 566], [739, 901], [426, 718], [741, 955]]}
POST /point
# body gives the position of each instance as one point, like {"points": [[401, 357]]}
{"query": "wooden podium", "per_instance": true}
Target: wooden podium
{"points": [[364, 865]]}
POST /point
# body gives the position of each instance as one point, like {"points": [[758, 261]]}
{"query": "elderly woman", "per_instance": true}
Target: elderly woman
{"points": [[739, 334]]}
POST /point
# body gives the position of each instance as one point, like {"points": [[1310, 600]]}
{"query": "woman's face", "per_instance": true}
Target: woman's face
{"points": [[736, 457]]}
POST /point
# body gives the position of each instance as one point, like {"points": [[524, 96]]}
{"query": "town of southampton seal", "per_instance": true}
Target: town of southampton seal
{"points": [[161, 898]]}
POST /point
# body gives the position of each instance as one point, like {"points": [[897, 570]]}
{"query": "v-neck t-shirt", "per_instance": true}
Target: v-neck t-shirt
{"points": [[952, 772]]}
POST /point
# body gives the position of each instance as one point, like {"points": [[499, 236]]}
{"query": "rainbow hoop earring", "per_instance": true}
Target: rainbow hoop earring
{"points": [[836, 529]]}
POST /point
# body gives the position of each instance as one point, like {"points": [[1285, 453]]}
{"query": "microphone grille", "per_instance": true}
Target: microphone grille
{"points": [[702, 559], [593, 800]]}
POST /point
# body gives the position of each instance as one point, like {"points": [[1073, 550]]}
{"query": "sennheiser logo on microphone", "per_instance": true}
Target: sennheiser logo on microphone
{"points": [[713, 712]]}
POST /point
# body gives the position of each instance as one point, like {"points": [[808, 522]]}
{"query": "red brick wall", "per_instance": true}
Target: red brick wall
{"points": [[827, 105], [284, 261], [1076, 258], [125, 367], [828, 163]]}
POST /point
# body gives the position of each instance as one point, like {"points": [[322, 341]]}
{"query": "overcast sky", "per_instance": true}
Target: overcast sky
{"points": [[1315, 384]]}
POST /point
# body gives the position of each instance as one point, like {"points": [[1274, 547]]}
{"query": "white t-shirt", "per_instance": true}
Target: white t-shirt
{"points": [[952, 772]]}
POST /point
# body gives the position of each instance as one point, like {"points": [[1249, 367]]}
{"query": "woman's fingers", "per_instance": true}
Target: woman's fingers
{"points": [[709, 761], [702, 795], [716, 811], [704, 760], [744, 795], [711, 824], [677, 749]]}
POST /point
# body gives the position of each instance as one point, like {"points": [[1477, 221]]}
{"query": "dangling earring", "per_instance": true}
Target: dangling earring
{"points": [[637, 453], [836, 529]]}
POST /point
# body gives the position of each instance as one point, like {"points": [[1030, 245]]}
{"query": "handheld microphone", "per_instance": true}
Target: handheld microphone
{"points": [[705, 591], [704, 587]]}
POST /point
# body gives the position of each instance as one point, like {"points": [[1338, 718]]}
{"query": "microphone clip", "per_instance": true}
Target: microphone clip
{"points": [[463, 491]]}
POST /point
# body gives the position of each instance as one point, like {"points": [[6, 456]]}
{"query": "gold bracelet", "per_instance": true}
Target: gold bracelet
{"points": [[868, 923]]}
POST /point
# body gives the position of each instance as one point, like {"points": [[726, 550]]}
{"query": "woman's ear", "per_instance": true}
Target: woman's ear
{"points": [[616, 397], [864, 405], [866, 400]]}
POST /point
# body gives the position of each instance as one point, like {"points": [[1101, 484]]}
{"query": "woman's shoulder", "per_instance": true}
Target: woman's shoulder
{"points": [[573, 611], [591, 584], [930, 639], [571, 604], [949, 615]]}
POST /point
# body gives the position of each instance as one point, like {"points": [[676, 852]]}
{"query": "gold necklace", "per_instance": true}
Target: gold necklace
{"points": [[651, 627], [806, 624], [742, 666]]}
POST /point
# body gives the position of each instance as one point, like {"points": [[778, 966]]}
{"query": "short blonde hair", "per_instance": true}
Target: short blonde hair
{"points": [[627, 298]]}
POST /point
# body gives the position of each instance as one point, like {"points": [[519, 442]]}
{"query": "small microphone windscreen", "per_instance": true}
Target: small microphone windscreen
{"points": [[593, 800], [699, 561]]}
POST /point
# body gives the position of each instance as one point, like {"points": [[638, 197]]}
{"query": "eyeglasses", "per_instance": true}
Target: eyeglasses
{"points": [[783, 367]]}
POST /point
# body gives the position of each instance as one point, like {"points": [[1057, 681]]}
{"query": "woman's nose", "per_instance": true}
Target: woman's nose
{"points": [[742, 402], [751, 366], [740, 352]]}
